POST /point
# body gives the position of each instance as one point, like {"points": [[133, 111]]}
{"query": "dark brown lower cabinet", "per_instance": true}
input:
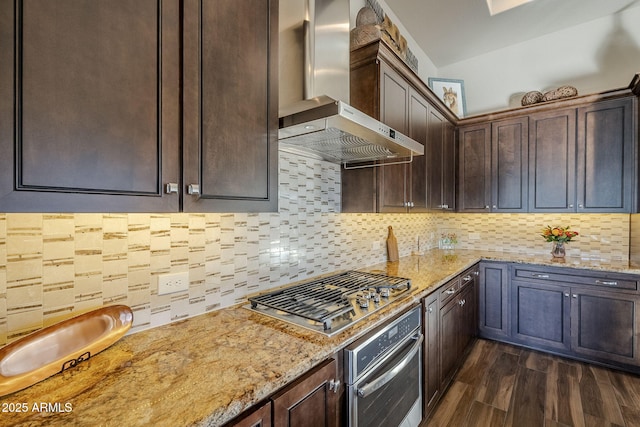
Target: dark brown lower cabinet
{"points": [[309, 401], [431, 354], [494, 301], [583, 314], [260, 417], [458, 327], [450, 326], [541, 315], [450, 322], [605, 326]]}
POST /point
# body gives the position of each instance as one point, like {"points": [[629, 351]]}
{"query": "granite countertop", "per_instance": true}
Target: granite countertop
{"points": [[207, 369]]}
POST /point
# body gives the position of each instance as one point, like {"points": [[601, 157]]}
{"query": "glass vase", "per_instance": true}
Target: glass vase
{"points": [[557, 251]]}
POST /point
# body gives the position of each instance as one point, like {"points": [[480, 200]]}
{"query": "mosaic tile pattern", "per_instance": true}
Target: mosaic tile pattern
{"points": [[53, 265], [602, 236]]}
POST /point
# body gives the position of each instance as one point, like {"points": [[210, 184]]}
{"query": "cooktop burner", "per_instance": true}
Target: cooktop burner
{"points": [[330, 304]]}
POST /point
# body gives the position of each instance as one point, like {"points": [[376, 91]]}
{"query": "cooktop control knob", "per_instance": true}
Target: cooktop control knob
{"points": [[363, 302], [385, 292]]}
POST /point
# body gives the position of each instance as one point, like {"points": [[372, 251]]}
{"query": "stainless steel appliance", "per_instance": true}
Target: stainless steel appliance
{"points": [[332, 303], [383, 372], [324, 125]]}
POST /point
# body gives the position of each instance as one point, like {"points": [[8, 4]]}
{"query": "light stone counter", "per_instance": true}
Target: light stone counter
{"points": [[208, 369]]}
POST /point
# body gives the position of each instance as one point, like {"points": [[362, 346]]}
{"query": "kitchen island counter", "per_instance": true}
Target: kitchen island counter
{"points": [[208, 369]]}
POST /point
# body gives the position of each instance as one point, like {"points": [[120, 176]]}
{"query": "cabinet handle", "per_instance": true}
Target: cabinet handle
{"points": [[467, 278], [571, 206], [574, 296], [607, 282], [171, 187], [334, 385], [566, 294], [440, 206], [450, 291], [193, 189], [476, 273], [445, 206], [412, 205], [580, 206], [486, 207], [495, 206], [540, 276], [430, 309]]}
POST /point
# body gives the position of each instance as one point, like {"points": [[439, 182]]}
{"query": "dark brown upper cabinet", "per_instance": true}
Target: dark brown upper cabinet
{"points": [[382, 86], [230, 120], [552, 148], [474, 168], [575, 155], [582, 159], [90, 105], [509, 165], [440, 162], [96, 111], [605, 156], [493, 166]]}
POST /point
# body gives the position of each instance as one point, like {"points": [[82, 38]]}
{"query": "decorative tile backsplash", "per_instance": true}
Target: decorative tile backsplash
{"points": [[56, 265]]}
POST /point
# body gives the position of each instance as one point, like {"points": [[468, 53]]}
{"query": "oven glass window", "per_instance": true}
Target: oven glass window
{"points": [[390, 404]]}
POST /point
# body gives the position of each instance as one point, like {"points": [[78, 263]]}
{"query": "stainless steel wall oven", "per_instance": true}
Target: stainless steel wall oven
{"points": [[383, 375]]}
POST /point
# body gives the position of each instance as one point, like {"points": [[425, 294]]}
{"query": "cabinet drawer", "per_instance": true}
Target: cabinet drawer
{"points": [[468, 277], [449, 290], [603, 280]]}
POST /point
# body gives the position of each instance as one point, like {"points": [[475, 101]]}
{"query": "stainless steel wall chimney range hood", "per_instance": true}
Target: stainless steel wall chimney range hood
{"points": [[324, 125]]}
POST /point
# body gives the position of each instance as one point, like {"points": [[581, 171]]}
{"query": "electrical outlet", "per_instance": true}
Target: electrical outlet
{"points": [[174, 282]]}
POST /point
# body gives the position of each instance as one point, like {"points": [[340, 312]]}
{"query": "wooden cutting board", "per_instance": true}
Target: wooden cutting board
{"points": [[392, 246]]}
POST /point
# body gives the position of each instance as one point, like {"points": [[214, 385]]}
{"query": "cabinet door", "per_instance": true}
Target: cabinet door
{"points": [[605, 156], [89, 102], [260, 417], [394, 104], [552, 145], [309, 401], [432, 353], [450, 327], [474, 168], [420, 165], [435, 155], [449, 162], [230, 117], [541, 315], [494, 301], [469, 306], [605, 326], [509, 166]]}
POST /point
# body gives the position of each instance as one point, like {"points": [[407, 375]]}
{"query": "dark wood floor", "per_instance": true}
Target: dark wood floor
{"points": [[504, 385]]}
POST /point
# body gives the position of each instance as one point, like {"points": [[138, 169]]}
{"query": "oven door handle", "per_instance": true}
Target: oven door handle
{"points": [[391, 373]]}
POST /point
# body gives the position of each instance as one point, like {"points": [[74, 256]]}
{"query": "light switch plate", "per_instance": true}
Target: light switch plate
{"points": [[173, 282]]}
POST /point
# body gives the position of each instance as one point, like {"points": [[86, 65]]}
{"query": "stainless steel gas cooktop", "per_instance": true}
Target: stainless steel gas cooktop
{"points": [[333, 303]]}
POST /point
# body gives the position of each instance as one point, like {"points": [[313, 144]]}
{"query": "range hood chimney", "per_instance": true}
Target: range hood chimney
{"points": [[324, 125]]}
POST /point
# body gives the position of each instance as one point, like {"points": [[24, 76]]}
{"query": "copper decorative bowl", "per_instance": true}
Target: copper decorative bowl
{"points": [[58, 347]]}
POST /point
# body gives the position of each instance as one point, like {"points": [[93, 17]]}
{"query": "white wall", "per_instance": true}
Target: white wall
{"points": [[596, 56]]}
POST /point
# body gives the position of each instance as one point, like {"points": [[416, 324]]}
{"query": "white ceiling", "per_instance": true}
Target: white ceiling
{"points": [[449, 31]]}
